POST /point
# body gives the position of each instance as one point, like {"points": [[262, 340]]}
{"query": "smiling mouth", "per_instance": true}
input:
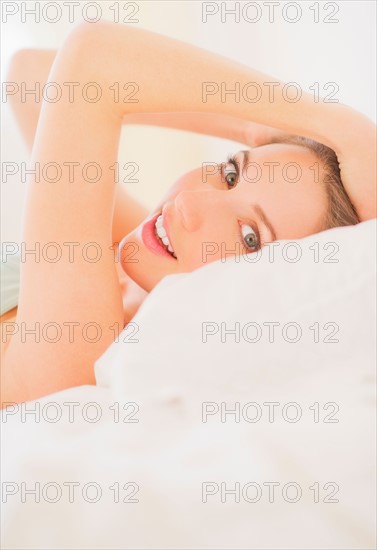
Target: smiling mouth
{"points": [[162, 236]]}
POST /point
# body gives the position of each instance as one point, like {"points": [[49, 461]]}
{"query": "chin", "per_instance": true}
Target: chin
{"points": [[141, 269]]}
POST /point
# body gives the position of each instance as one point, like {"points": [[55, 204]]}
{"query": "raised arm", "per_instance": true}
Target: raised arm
{"points": [[32, 66], [174, 76], [171, 97]]}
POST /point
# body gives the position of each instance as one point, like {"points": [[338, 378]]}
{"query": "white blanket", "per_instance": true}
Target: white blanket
{"points": [[292, 468]]}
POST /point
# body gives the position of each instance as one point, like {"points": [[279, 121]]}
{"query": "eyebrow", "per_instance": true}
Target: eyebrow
{"points": [[260, 212]]}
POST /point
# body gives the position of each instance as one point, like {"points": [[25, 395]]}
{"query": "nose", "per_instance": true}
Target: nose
{"points": [[194, 206]]}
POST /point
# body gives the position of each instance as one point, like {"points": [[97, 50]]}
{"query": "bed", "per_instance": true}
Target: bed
{"points": [[236, 410]]}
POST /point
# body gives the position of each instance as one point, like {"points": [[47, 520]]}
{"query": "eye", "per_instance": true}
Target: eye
{"points": [[231, 171], [250, 237]]}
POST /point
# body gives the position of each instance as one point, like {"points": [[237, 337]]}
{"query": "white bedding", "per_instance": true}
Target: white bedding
{"points": [[170, 452]]}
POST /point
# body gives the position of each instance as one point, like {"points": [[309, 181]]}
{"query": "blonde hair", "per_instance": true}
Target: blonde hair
{"points": [[340, 209]]}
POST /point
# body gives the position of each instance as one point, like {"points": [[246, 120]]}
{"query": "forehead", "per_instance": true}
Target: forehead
{"points": [[281, 164], [286, 181], [291, 167], [283, 152]]}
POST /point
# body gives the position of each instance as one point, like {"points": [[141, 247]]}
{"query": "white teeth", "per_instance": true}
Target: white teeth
{"points": [[160, 230]]}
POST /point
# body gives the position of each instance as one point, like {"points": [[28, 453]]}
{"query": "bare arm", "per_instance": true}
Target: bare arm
{"points": [[348, 132], [33, 66], [175, 79], [75, 210]]}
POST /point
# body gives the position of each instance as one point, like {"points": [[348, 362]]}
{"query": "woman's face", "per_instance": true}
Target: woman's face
{"points": [[269, 193]]}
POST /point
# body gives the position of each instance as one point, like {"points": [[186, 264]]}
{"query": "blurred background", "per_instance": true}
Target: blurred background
{"points": [[311, 43]]}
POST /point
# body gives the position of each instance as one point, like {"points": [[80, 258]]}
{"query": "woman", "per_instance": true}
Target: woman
{"points": [[169, 78]]}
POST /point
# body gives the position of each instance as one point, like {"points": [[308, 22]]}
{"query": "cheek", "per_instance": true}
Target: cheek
{"points": [[296, 210], [211, 243], [193, 258]]}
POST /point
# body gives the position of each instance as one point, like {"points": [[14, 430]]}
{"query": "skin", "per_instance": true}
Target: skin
{"points": [[84, 212], [200, 212]]}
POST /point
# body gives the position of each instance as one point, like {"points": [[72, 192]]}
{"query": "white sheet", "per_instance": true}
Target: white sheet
{"points": [[170, 452]]}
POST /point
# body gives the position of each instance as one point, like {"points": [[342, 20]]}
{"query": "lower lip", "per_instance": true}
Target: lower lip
{"points": [[150, 240]]}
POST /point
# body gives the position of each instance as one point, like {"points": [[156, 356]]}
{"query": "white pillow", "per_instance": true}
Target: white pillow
{"points": [[330, 287], [304, 411]]}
